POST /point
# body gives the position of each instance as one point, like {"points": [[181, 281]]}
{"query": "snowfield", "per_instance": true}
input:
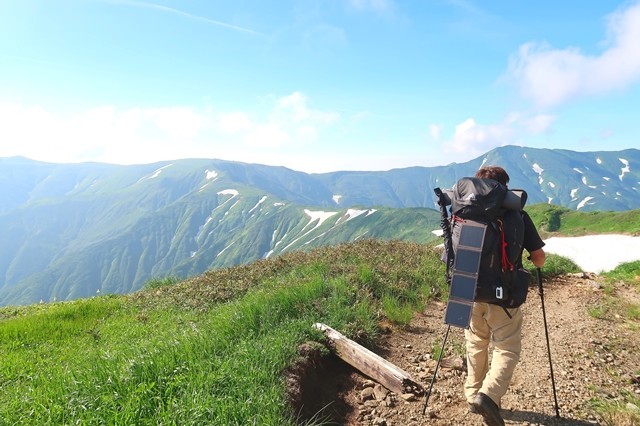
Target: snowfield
{"points": [[592, 253], [596, 253]]}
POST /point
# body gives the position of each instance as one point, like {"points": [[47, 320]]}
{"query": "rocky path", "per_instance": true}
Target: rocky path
{"points": [[593, 359]]}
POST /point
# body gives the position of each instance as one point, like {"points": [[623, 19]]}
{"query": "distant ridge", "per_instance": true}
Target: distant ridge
{"points": [[71, 230]]}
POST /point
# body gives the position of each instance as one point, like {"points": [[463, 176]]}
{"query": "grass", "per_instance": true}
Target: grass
{"points": [[211, 350], [628, 273], [208, 350], [553, 219], [618, 413], [553, 266], [161, 282], [599, 311], [624, 275]]}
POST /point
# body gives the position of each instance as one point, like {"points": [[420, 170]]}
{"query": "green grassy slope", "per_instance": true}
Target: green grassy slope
{"points": [[211, 350], [559, 220]]}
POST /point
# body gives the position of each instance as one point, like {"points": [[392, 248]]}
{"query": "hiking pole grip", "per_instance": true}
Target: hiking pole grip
{"points": [[546, 333]]}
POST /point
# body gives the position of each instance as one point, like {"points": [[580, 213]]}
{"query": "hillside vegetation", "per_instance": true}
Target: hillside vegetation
{"points": [[554, 219], [213, 349]]}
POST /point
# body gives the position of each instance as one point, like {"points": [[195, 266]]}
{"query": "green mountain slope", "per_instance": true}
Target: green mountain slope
{"points": [[72, 230], [214, 229]]}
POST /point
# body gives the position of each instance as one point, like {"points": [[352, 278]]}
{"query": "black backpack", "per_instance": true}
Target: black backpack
{"points": [[501, 278]]}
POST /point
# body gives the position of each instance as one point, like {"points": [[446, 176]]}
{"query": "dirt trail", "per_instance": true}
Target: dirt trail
{"points": [[592, 358]]}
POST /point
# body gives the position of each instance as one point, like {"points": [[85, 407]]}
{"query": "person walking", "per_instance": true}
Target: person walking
{"points": [[486, 385]]}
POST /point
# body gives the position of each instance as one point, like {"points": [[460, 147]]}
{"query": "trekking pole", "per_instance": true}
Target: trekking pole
{"points": [[435, 372], [546, 332]]}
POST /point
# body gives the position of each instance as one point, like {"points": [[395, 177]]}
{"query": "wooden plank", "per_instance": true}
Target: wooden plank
{"points": [[372, 365]]}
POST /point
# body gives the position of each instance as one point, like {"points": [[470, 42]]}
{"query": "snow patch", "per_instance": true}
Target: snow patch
{"points": [[625, 169], [606, 178], [210, 174], [155, 174], [223, 250], [264, 197], [202, 227], [336, 198], [353, 213], [577, 170], [536, 168], [573, 193], [549, 200], [278, 204], [551, 184], [588, 254], [584, 180], [598, 160], [320, 216], [231, 192], [584, 202]]}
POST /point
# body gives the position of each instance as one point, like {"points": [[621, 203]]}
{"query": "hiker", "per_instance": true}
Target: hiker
{"points": [[484, 386]]}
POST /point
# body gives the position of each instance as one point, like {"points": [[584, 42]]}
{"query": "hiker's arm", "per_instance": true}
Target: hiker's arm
{"points": [[537, 257]]}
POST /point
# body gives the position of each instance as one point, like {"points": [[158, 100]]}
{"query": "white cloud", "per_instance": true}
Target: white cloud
{"points": [[234, 122], [472, 138], [550, 77], [142, 135], [290, 122]]}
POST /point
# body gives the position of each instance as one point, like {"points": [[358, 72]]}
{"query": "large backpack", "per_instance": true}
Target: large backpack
{"points": [[501, 279]]}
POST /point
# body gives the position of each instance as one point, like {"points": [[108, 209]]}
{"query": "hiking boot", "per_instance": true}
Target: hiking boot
{"points": [[472, 409], [488, 409]]}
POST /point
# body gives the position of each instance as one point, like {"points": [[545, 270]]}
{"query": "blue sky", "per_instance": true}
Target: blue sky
{"points": [[315, 85]]}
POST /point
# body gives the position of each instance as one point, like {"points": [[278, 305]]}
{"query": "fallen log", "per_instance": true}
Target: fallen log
{"points": [[371, 364]]}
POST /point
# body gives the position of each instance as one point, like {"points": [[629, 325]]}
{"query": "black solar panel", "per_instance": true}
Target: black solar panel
{"points": [[465, 275]]}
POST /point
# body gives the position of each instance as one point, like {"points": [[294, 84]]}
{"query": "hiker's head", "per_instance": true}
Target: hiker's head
{"points": [[493, 172]]}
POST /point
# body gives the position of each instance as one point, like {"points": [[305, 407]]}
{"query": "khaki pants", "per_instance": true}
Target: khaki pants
{"points": [[490, 322]]}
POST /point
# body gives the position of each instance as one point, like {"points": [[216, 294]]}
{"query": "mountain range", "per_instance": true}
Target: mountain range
{"points": [[75, 230]]}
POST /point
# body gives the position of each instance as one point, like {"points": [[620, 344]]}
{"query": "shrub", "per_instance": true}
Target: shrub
{"points": [[161, 282], [555, 265]]}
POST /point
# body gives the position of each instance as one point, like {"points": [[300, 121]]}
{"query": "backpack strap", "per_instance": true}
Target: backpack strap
{"points": [[506, 263]]}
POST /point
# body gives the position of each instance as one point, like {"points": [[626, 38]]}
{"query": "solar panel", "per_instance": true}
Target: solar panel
{"points": [[472, 235], [462, 287], [465, 274], [467, 261], [458, 314]]}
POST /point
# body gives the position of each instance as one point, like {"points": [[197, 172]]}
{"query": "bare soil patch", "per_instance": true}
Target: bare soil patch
{"points": [[593, 358]]}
